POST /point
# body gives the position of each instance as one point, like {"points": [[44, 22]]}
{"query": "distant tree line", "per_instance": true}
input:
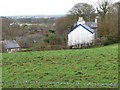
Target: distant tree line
{"points": [[36, 20]]}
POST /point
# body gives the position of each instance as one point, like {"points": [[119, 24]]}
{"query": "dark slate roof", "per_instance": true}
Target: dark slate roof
{"points": [[91, 24], [84, 26], [11, 44]]}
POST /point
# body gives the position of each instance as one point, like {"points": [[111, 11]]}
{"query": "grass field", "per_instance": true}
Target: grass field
{"points": [[75, 68]]}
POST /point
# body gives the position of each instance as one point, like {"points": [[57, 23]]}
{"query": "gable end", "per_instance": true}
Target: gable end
{"points": [[84, 26]]}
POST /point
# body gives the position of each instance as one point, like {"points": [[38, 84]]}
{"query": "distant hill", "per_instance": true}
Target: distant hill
{"points": [[35, 16]]}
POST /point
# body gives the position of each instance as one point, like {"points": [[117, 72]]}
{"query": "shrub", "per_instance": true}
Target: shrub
{"points": [[108, 40]]}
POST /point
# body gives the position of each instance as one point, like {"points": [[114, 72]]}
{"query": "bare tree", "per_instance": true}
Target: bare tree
{"points": [[82, 9], [103, 9], [108, 25]]}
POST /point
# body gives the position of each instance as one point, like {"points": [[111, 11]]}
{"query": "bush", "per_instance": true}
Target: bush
{"points": [[108, 40], [97, 42]]}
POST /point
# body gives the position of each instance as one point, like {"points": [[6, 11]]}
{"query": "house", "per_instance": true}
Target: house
{"points": [[11, 46], [81, 35], [94, 26], [91, 24]]}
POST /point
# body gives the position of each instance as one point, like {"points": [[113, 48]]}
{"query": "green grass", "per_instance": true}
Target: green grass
{"points": [[75, 68]]}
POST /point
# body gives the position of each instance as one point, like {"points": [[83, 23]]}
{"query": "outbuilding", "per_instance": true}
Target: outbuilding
{"points": [[11, 45]]}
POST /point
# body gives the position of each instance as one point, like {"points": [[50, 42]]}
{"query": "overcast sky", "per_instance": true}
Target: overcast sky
{"points": [[39, 7]]}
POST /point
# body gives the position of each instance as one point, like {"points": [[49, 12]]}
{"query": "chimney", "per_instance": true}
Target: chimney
{"points": [[80, 21], [95, 20]]}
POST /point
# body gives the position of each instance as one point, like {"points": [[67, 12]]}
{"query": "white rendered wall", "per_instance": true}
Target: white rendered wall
{"points": [[80, 36]]}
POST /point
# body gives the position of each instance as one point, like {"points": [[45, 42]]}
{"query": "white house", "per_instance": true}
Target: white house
{"points": [[81, 34]]}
